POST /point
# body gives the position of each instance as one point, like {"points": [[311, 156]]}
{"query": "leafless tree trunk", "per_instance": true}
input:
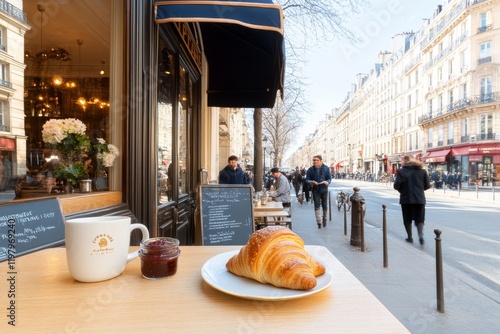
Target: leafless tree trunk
{"points": [[257, 148]]}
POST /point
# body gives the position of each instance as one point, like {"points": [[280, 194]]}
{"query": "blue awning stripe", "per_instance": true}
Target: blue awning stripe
{"points": [[263, 15]]}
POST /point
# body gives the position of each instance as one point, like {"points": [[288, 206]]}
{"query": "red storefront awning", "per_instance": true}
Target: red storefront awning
{"points": [[7, 144], [464, 150], [339, 164], [436, 156]]}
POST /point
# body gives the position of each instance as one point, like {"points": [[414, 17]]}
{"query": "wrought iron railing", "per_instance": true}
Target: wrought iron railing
{"points": [[461, 104], [13, 11], [484, 60], [5, 83], [486, 136], [484, 28], [4, 128]]}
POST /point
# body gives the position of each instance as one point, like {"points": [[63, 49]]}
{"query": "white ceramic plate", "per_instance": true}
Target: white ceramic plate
{"points": [[214, 272]]}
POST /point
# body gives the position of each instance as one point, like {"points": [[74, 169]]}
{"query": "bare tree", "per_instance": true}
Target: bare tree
{"points": [[281, 122], [308, 24]]}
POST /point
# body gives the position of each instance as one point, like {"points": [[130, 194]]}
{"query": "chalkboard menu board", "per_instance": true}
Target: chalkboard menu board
{"points": [[226, 214], [28, 226]]}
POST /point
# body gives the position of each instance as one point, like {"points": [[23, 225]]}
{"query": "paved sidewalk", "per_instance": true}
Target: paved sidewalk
{"points": [[408, 286]]}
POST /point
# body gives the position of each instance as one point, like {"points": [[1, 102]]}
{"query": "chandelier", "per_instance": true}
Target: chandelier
{"points": [[52, 88]]}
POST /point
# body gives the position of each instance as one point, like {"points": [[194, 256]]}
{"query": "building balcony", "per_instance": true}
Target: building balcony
{"points": [[484, 28], [462, 104], [5, 83], [484, 60]]}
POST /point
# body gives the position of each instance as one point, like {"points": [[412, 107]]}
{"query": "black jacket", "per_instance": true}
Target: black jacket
{"points": [[411, 182]]}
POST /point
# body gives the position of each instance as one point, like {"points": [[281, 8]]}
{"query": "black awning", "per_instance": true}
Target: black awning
{"points": [[243, 43]]}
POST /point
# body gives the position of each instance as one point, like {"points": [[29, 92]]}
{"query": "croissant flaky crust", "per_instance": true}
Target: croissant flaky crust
{"points": [[276, 255]]}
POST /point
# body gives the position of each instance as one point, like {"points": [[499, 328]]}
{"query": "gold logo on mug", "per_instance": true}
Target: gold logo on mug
{"points": [[102, 240]]}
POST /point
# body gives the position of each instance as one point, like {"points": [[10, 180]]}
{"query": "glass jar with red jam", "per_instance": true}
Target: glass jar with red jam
{"points": [[159, 257]]}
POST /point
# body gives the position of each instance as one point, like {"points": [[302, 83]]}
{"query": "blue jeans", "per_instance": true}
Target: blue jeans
{"points": [[320, 199]]}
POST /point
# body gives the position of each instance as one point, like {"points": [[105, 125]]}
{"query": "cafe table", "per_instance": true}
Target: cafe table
{"points": [[270, 206], [264, 218], [49, 300]]}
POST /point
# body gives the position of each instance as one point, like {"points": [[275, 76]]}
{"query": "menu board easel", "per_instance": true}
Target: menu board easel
{"points": [[226, 214]]}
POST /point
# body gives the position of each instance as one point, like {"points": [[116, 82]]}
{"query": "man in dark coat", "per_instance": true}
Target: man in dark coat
{"points": [[411, 182], [318, 178], [232, 173]]}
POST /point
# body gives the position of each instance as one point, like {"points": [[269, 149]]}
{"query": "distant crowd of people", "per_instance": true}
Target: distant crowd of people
{"points": [[449, 180]]}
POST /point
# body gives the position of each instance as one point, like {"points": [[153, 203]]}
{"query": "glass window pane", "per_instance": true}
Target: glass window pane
{"points": [[184, 109], [165, 121]]}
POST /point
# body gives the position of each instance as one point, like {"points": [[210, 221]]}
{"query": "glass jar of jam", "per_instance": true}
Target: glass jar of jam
{"points": [[159, 257]]}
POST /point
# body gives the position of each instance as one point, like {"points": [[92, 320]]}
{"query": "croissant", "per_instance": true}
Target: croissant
{"points": [[276, 255]]}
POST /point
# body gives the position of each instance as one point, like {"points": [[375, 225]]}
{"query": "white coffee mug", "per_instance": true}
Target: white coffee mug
{"points": [[97, 247]]}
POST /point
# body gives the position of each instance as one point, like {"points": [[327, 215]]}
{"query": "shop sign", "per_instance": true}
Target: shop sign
{"points": [[485, 150], [189, 42]]}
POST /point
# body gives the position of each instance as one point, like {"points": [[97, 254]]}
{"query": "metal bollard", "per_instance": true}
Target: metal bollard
{"points": [[384, 229], [355, 217], [362, 224], [477, 190], [439, 273], [345, 219]]}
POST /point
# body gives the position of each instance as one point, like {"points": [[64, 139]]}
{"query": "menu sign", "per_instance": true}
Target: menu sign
{"points": [[226, 214], [28, 226]]}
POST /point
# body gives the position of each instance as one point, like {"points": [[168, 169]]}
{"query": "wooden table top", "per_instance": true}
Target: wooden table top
{"points": [[270, 206], [48, 299], [263, 214]]}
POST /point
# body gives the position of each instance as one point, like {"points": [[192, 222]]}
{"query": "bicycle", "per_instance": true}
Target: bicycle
{"points": [[343, 198]]}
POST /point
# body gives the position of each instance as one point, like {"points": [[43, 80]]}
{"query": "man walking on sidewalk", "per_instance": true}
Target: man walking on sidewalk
{"points": [[318, 178]]}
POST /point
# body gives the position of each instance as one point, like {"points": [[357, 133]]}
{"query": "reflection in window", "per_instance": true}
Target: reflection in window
{"points": [[165, 120], [184, 110]]}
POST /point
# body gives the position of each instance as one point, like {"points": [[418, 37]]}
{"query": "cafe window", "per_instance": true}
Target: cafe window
{"points": [[174, 112], [165, 123], [185, 109]]}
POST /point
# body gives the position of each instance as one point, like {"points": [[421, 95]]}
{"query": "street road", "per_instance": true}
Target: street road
{"points": [[470, 228]]}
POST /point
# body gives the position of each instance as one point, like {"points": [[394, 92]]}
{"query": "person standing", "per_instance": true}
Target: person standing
{"points": [[318, 177], [282, 193], [305, 186], [411, 182], [297, 181], [232, 173]]}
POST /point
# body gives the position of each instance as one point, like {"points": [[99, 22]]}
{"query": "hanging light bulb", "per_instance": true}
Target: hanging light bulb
{"points": [[102, 71], [57, 80], [81, 100]]}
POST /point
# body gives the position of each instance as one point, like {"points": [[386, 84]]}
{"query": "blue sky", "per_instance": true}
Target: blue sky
{"points": [[332, 70]]}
